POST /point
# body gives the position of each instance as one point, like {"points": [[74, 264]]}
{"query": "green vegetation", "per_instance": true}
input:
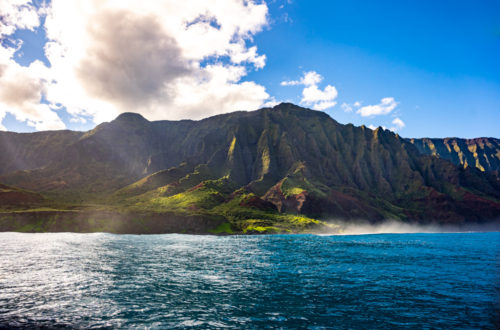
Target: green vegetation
{"points": [[215, 198], [280, 170], [224, 228], [263, 230], [190, 201]]}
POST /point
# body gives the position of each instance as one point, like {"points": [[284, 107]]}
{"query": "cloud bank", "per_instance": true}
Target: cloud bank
{"points": [[163, 59]]}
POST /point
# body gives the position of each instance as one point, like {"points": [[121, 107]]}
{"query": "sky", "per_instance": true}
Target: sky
{"points": [[419, 68]]}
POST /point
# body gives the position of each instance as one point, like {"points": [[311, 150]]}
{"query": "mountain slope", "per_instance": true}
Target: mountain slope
{"points": [[12, 198], [26, 151], [482, 153], [272, 169]]}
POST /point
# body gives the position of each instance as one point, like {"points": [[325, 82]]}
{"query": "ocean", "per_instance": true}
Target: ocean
{"points": [[66, 280]]}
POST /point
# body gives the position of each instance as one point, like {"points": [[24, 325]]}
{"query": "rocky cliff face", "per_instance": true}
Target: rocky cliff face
{"points": [[481, 153], [299, 161]]}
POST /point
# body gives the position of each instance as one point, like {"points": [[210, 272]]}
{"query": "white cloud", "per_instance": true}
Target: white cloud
{"points": [[17, 14], [2, 117], [350, 107], [21, 92], [313, 96], [386, 105], [108, 57], [399, 124], [346, 107], [290, 83], [271, 103], [308, 79], [22, 88], [78, 120], [311, 78], [323, 105], [373, 127]]}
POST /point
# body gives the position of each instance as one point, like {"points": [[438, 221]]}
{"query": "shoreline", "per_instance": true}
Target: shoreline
{"points": [[138, 223]]}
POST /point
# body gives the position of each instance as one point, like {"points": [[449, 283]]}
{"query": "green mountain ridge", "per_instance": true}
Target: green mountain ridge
{"points": [[281, 169], [481, 153]]}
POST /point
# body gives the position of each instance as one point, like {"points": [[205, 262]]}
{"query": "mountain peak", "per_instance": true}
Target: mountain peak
{"points": [[300, 112], [130, 117], [287, 105]]}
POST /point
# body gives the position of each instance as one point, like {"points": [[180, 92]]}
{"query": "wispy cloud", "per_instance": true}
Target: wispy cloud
{"points": [[308, 79], [386, 106], [347, 107]]}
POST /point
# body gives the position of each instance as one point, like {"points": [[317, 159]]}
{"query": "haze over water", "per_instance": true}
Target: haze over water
{"points": [[158, 281]]}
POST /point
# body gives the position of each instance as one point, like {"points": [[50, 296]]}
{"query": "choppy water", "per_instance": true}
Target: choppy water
{"points": [[159, 281]]}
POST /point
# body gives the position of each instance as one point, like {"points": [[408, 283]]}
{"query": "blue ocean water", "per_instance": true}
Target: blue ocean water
{"points": [[288, 281]]}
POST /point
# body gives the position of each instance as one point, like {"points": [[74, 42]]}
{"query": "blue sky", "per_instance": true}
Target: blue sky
{"points": [[435, 63], [438, 59]]}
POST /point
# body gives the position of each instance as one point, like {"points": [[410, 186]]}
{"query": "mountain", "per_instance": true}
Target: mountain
{"points": [[277, 169], [481, 153], [12, 198], [21, 151]]}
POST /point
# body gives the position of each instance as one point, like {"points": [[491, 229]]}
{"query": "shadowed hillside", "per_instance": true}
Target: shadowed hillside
{"points": [[26, 151]]}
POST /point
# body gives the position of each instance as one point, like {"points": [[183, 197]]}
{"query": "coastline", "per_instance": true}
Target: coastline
{"points": [[140, 223], [81, 221]]}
